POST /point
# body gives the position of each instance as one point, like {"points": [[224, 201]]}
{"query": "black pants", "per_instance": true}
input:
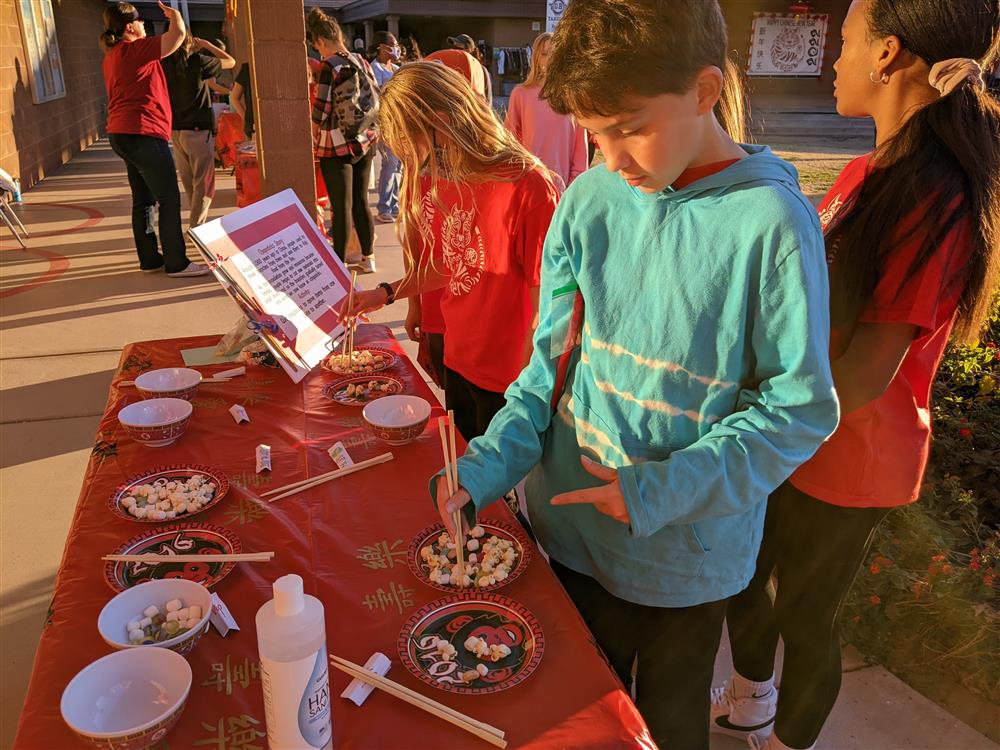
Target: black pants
{"points": [[346, 179], [676, 649], [435, 352], [474, 407], [153, 180], [815, 549]]}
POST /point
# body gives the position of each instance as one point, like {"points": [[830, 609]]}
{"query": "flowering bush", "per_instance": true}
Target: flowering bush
{"points": [[928, 598]]}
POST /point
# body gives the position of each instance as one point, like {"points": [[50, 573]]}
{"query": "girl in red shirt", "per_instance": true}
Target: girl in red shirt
{"points": [[139, 122], [913, 242], [474, 210]]}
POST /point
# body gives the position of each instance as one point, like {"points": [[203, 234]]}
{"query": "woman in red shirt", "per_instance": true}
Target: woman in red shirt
{"points": [[139, 121], [913, 243]]}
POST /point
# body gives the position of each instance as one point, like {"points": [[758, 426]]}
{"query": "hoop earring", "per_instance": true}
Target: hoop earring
{"points": [[883, 79]]}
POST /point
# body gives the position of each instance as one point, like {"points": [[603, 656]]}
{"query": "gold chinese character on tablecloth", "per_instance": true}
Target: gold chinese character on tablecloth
{"points": [[397, 596], [363, 440], [382, 555], [245, 511], [226, 674], [249, 479], [234, 733]]}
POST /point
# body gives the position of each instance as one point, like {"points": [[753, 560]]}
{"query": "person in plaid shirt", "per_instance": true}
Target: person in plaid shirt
{"points": [[345, 157]]}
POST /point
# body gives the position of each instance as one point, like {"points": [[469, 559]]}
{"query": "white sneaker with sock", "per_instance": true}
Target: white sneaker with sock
{"points": [[367, 264], [742, 708]]}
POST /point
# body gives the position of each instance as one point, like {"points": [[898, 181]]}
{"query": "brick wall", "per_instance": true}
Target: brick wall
{"points": [[37, 138]]}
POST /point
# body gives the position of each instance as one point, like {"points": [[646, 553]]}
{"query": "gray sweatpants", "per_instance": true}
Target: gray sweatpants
{"points": [[194, 152]]}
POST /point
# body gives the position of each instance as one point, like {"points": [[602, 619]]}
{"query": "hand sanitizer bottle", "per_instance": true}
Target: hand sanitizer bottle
{"points": [[291, 639]]}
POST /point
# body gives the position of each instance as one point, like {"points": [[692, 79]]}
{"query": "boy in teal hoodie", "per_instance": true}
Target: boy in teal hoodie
{"points": [[680, 369]]}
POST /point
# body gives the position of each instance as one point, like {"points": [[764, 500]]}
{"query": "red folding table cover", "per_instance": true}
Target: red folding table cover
{"points": [[347, 539]]}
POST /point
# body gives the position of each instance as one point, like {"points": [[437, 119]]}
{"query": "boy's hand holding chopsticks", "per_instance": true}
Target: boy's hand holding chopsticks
{"points": [[448, 504]]}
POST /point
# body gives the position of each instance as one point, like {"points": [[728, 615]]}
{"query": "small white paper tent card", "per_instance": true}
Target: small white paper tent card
{"points": [[278, 267]]}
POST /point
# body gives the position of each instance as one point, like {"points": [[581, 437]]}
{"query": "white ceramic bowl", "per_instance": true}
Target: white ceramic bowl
{"points": [[127, 700], [156, 421], [129, 604], [397, 420], [170, 382]]}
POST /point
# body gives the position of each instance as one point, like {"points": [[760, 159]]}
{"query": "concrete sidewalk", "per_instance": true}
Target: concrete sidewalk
{"points": [[74, 299]]}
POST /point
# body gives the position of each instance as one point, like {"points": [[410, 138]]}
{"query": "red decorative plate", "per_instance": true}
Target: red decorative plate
{"points": [[338, 391], [383, 359], [160, 477], [180, 539], [495, 618], [510, 532]]}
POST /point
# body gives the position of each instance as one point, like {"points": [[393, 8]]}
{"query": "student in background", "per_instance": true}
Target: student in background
{"points": [[241, 99], [466, 43], [913, 243], [680, 370], [387, 54], [556, 139], [189, 71], [345, 85], [411, 50], [139, 132]]}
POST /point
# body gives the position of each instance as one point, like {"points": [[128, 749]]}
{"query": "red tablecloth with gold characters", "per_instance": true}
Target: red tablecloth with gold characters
{"points": [[347, 539]]}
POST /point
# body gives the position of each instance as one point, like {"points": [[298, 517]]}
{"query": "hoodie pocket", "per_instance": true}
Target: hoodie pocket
{"points": [[596, 438]]}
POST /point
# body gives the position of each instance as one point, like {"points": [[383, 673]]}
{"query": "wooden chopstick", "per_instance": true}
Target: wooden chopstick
{"points": [[351, 321], [330, 474], [151, 558], [459, 539], [297, 487], [484, 731], [456, 517], [124, 383]]}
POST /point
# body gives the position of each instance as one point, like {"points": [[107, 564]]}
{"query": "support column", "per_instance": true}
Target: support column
{"points": [[393, 25], [277, 52], [369, 34]]}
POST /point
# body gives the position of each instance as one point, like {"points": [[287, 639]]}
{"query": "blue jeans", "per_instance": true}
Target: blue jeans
{"points": [[388, 182], [153, 181]]}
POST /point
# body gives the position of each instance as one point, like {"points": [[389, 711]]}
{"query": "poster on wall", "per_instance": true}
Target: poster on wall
{"points": [[787, 45], [41, 47], [554, 11]]}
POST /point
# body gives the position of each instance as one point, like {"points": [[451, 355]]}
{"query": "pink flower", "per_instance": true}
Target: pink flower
{"points": [[876, 599], [875, 569]]}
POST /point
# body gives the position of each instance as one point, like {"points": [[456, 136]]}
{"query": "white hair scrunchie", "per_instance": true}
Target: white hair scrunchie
{"points": [[948, 75]]}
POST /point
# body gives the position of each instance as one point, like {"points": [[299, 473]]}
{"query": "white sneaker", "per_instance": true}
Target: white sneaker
{"points": [[743, 716], [367, 264], [193, 269]]}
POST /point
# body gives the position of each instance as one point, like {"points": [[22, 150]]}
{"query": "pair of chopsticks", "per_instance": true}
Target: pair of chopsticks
{"points": [[123, 383], [351, 323], [306, 484], [484, 731], [451, 476], [151, 558]]}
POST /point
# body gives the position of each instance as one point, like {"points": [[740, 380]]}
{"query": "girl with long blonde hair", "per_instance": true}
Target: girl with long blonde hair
{"points": [[558, 140], [474, 210]]}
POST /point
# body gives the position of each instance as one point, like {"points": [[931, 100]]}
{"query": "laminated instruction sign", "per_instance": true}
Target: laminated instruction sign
{"points": [[277, 266], [787, 45]]}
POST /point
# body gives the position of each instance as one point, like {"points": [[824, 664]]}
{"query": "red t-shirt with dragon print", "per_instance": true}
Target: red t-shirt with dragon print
{"points": [[488, 238]]}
